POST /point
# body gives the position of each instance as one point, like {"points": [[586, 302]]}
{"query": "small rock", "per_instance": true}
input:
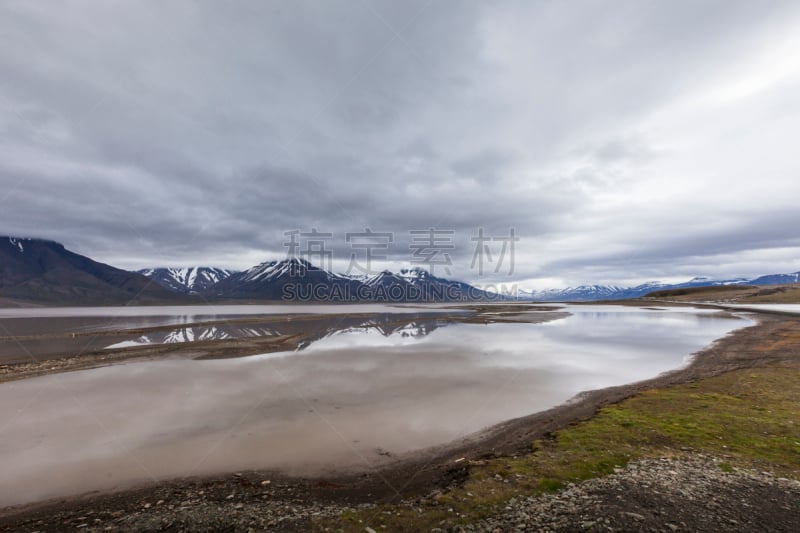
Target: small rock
{"points": [[636, 516]]}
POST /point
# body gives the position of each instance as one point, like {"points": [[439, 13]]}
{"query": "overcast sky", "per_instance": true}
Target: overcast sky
{"points": [[623, 141]]}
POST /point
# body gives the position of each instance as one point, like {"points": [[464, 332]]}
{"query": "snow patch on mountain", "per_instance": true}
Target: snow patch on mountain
{"points": [[18, 243], [385, 278], [187, 279], [292, 267]]}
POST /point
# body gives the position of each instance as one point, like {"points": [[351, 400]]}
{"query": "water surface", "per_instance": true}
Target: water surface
{"points": [[352, 399], [28, 335], [788, 308], [207, 310]]}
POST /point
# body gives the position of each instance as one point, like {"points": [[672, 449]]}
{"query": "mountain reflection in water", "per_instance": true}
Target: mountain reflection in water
{"points": [[312, 330]]}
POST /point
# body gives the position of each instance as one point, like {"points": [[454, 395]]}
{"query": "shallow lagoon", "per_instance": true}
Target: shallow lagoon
{"points": [[355, 398]]}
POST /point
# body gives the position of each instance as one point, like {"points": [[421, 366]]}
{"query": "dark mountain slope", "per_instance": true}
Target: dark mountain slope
{"points": [[41, 271]]}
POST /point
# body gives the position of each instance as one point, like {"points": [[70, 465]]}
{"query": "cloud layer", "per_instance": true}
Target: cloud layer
{"points": [[649, 141]]}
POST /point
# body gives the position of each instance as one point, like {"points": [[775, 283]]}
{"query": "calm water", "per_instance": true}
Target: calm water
{"points": [[104, 314], [21, 329], [788, 308], [344, 401]]}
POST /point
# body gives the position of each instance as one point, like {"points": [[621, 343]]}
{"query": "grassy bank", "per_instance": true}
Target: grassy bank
{"points": [[743, 294], [749, 417]]}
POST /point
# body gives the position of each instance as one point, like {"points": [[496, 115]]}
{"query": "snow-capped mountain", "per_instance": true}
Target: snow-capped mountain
{"points": [[387, 287], [418, 285], [292, 268], [298, 280], [587, 293], [187, 280], [290, 279], [776, 279], [579, 293], [434, 288]]}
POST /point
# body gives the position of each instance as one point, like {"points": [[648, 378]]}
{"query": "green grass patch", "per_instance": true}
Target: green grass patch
{"points": [[750, 417]]}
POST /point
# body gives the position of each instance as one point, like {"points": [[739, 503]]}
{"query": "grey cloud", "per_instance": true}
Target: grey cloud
{"points": [[654, 252], [488, 163], [153, 133]]}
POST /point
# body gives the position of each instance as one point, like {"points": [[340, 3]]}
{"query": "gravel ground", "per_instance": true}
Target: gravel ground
{"points": [[252, 506], [687, 494], [693, 493]]}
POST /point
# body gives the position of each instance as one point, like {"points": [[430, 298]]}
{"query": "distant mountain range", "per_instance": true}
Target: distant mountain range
{"points": [[36, 271], [775, 279], [298, 280], [588, 293]]}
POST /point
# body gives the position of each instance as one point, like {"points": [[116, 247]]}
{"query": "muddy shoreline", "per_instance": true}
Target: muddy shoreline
{"points": [[421, 472]]}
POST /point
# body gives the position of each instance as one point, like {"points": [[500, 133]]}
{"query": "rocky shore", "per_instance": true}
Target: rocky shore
{"points": [[688, 493]]}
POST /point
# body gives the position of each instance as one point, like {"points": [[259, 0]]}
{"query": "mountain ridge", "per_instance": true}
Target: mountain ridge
{"points": [[41, 271], [588, 293], [187, 280], [45, 272], [298, 280]]}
